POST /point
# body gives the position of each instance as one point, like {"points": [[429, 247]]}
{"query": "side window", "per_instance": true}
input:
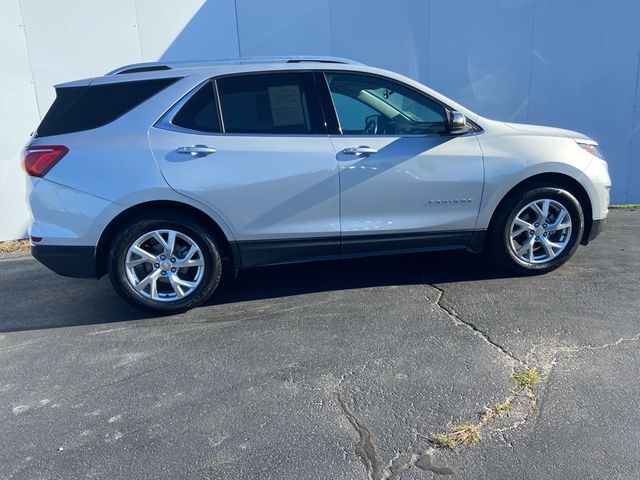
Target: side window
{"points": [[82, 108], [200, 111], [278, 103], [352, 113], [391, 108]]}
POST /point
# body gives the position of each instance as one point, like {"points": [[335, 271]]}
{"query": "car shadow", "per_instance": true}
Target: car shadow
{"points": [[67, 302], [391, 270]]}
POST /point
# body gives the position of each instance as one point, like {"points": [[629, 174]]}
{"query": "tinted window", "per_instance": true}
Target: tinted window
{"points": [[393, 109], [84, 108], [353, 113], [278, 103], [200, 111]]}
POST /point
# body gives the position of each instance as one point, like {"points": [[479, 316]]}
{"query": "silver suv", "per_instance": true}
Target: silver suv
{"points": [[165, 174]]}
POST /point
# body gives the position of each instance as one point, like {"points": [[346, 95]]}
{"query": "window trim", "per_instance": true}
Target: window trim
{"points": [[325, 94]]}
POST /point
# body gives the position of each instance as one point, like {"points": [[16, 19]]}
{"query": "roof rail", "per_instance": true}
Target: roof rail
{"points": [[155, 66]]}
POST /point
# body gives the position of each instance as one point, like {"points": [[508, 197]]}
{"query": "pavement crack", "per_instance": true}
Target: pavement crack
{"points": [[367, 452], [365, 448], [541, 352], [460, 322], [635, 338]]}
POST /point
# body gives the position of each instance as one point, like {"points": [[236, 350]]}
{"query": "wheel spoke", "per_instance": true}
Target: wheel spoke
{"points": [[175, 286], [154, 287], [184, 283], [171, 242], [150, 280], [524, 226], [558, 225], [188, 260], [548, 247], [545, 209], [144, 257], [526, 247], [156, 235], [543, 212]]}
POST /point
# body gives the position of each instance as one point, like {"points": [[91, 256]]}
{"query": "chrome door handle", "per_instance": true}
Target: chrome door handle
{"points": [[362, 150], [196, 150]]}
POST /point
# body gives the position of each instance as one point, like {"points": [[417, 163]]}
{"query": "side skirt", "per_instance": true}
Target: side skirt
{"points": [[256, 253]]}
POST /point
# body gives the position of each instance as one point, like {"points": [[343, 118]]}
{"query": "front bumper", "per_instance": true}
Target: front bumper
{"points": [[596, 227], [69, 261]]}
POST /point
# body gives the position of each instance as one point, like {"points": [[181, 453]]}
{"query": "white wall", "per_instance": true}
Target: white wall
{"points": [[572, 64]]}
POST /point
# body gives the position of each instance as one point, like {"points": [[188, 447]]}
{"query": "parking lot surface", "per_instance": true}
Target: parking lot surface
{"points": [[336, 370]]}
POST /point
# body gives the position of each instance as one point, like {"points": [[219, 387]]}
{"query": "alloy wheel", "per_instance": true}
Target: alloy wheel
{"points": [[164, 265], [540, 231]]}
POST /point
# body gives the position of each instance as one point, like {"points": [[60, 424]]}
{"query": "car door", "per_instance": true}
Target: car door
{"points": [[254, 149], [406, 182]]}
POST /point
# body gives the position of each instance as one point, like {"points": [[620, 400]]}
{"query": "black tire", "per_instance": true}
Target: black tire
{"points": [[499, 238], [140, 226]]}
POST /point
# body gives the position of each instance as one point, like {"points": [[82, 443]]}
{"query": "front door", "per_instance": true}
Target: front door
{"points": [[405, 182]]}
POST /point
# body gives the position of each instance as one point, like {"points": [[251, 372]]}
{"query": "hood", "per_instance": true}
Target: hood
{"points": [[547, 131]]}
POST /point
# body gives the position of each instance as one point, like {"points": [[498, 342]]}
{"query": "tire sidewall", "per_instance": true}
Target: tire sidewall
{"points": [[138, 227], [568, 201]]}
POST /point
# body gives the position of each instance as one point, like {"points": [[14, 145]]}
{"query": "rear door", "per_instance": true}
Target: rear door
{"points": [[254, 148], [406, 182]]}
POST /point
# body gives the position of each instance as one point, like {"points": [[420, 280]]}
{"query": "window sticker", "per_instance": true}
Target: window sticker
{"points": [[286, 105]]}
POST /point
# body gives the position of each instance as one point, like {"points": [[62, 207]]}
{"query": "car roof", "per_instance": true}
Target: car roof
{"points": [[199, 70], [150, 70]]}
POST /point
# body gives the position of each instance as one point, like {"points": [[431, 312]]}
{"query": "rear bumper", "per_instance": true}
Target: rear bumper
{"points": [[70, 261]]}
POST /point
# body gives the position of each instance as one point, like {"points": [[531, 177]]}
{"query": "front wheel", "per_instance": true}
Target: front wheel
{"points": [[164, 264], [537, 230]]}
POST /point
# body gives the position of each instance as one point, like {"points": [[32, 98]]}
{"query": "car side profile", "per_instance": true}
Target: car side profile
{"points": [[165, 174]]}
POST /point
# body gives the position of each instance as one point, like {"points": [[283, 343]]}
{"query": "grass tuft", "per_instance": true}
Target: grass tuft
{"points": [[527, 378], [456, 435], [495, 412], [525, 381], [505, 406]]}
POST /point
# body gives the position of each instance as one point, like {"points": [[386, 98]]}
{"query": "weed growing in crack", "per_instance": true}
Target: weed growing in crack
{"points": [[524, 382], [469, 433], [492, 413], [527, 378], [456, 435]]}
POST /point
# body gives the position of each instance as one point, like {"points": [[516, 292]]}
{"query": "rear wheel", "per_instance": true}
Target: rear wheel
{"points": [[537, 230], [164, 263]]}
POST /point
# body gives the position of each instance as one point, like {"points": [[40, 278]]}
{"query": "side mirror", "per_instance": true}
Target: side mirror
{"points": [[458, 123]]}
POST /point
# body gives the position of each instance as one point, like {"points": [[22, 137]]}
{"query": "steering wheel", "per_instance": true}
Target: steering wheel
{"points": [[371, 124]]}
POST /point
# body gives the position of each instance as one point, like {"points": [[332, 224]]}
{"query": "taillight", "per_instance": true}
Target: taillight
{"points": [[37, 160]]}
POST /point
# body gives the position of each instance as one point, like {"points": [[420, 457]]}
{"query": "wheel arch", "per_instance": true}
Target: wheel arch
{"points": [[561, 180], [229, 250]]}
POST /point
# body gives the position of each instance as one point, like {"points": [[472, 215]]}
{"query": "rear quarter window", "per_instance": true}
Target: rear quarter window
{"points": [[200, 112], [83, 108]]}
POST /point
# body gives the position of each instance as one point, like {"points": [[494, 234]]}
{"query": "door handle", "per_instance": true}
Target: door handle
{"points": [[196, 150], [362, 150]]}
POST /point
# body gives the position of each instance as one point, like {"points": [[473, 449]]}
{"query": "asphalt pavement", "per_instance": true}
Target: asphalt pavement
{"points": [[333, 370]]}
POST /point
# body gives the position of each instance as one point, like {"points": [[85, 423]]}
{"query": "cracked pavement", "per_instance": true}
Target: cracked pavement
{"points": [[336, 370]]}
